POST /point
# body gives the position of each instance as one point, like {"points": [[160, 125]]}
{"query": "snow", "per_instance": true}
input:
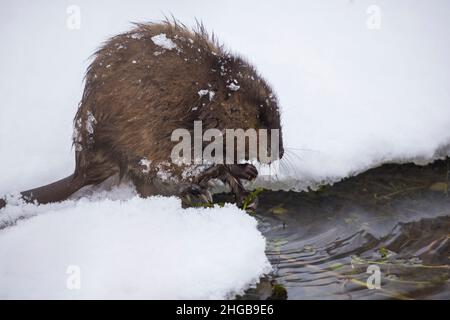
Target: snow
{"points": [[203, 92], [164, 42], [207, 92], [136, 35], [146, 163], [90, 122], [133, 249], [352, 98]]}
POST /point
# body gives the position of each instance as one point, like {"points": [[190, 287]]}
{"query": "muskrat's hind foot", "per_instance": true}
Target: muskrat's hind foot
{"points": [[196, 196]]}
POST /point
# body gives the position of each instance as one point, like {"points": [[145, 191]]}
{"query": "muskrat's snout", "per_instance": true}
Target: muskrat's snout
{"points": [[280, 145], [271, 151]]}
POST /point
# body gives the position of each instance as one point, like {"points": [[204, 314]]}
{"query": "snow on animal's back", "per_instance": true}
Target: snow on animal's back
{"points": [[144, 84]]}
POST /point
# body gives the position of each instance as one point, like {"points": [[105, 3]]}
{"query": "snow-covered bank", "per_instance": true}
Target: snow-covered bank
{"points": [[133, 249], [352, 97]]}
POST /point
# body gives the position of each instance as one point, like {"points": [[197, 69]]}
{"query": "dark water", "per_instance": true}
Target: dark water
{"points": [[396, 217]]}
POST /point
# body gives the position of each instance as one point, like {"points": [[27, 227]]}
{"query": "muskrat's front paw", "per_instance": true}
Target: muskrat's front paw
{"points": [[196, 196], [244, 171]]}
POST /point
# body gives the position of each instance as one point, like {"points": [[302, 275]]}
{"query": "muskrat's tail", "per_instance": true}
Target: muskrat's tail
{"points": [[56, 191]]}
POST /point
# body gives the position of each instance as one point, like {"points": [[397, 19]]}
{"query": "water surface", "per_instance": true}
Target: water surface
{"points": [[396, 217]]}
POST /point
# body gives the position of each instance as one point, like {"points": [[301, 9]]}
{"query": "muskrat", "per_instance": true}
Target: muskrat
{"points": [[142, 85]]}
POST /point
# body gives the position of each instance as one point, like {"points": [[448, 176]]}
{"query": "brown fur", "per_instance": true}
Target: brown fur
{"points": [[138, 93]]}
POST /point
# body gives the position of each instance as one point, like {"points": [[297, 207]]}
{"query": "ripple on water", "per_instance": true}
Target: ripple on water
{"points": [[321, 243]]}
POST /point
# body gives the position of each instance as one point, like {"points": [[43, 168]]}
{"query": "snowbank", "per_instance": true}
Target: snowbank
{"points": [[133, 249]]}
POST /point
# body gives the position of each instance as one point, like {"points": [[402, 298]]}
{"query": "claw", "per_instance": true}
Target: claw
{"points": [[244, 171], [211, 184], [206, 196]]}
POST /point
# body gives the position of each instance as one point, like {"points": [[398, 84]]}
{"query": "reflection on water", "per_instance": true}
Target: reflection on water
{"points": [[396, 217]]}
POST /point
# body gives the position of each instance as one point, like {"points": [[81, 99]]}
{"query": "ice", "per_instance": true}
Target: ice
{"points": [[133, 249]]}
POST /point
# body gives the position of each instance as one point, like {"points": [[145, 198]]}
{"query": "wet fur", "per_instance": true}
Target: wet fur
{"points": [[134, 98]]}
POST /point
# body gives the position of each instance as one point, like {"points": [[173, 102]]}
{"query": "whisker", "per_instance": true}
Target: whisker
{"points": [[295, 155], [292, 157], [289, 166], [301, 149]]}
